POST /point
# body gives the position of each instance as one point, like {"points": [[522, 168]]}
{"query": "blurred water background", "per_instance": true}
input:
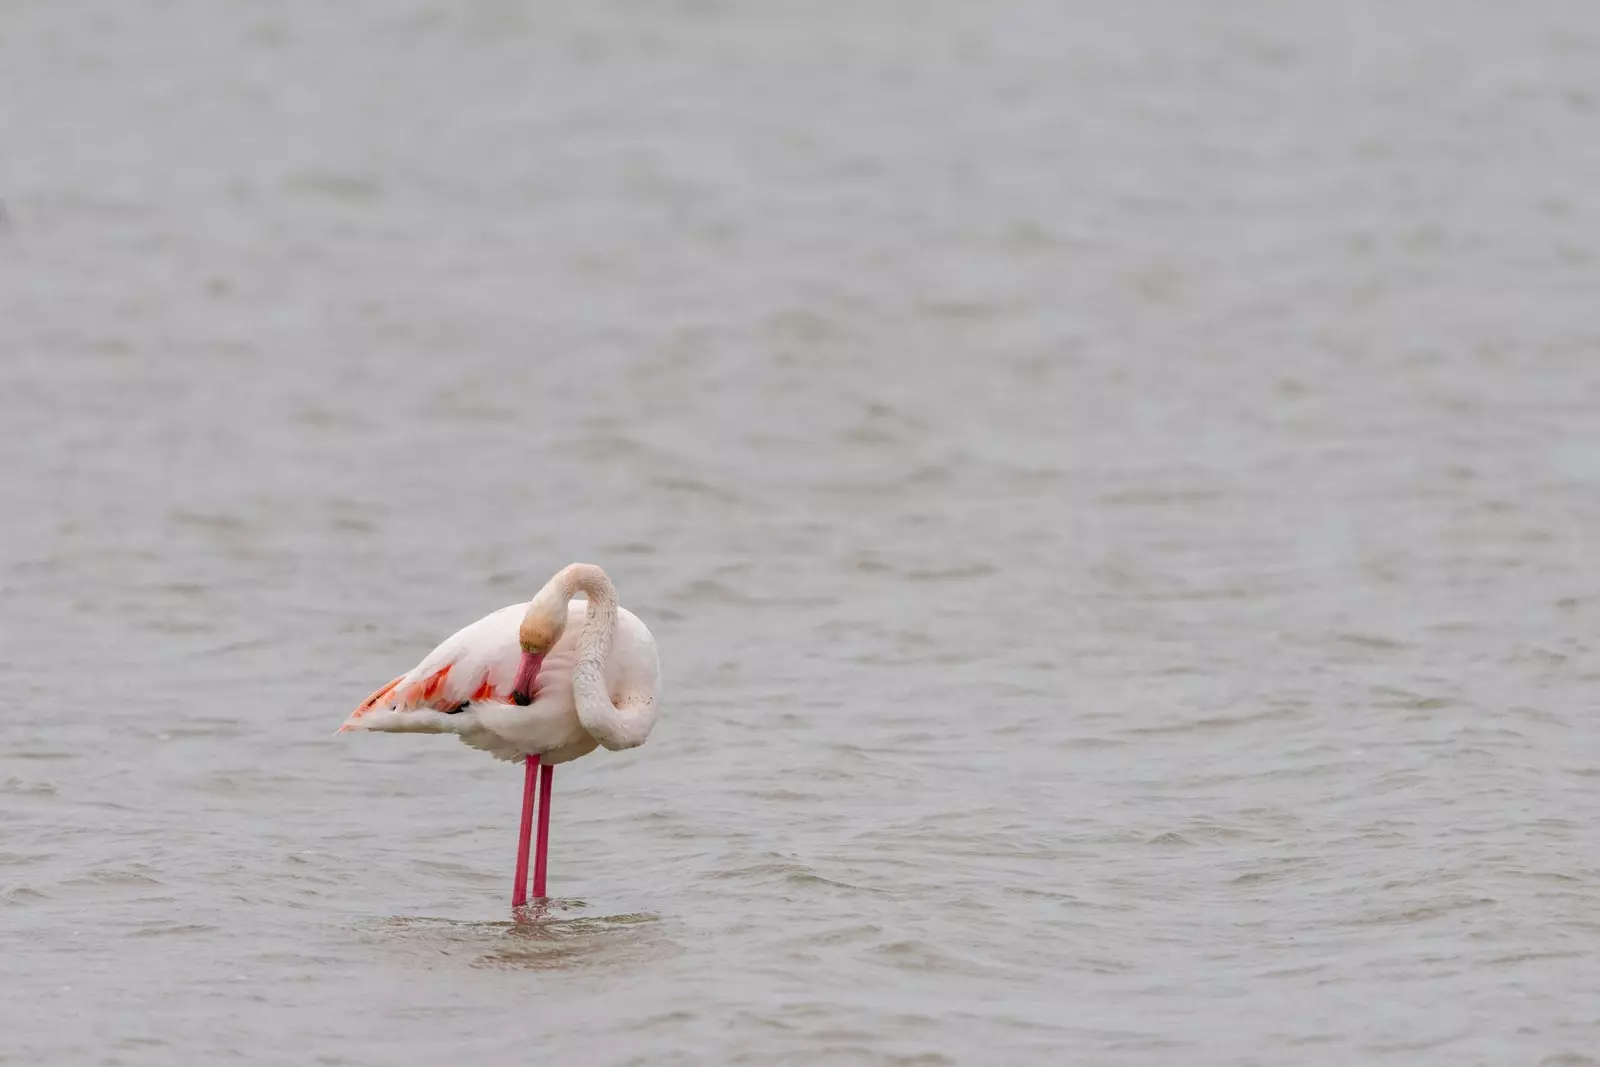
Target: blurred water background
{"points": [[1117, 489]]}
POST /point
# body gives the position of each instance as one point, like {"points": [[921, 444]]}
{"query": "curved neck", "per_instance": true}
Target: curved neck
{"points": [[595, 711]]}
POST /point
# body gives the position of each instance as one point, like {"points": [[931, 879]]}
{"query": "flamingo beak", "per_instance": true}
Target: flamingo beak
{"points": [[527, 678]]}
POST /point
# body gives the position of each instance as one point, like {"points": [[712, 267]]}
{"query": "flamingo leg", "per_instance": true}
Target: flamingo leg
{"points": [[546, 780], [519, 892]]}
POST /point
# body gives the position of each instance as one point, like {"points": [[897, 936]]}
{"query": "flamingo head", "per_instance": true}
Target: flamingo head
{"points": [[541, 628]]}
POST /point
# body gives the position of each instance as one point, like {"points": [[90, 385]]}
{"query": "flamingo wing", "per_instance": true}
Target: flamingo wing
{"points": [[477, 663]]}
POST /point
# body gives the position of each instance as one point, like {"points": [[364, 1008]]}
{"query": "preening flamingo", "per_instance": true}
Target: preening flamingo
{"points": [[542, 682]]}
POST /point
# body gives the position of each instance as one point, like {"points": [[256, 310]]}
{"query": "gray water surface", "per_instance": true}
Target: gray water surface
{"points": [[1117, 493]]}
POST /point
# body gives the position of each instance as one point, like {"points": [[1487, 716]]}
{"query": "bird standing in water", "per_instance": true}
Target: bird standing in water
{"points": [[542, 682]]}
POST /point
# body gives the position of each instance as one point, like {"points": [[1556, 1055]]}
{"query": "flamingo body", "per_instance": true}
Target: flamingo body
{"points": [[544, 682], [463, 687]]}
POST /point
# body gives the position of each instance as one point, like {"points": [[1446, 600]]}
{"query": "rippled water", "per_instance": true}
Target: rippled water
{"points": [[1117, 492]]}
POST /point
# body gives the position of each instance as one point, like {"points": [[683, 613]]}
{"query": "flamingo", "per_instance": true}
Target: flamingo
{"points": [[543, 682]]}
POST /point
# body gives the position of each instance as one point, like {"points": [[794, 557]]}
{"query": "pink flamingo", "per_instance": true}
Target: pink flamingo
{"points": [[519, 685]]}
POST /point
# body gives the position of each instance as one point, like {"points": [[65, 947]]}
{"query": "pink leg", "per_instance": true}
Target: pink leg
{"points": [[546, 780], [519, 892]]}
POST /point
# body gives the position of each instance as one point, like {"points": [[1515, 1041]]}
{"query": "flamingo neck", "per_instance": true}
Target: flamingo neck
{"points": [[596, 712]]}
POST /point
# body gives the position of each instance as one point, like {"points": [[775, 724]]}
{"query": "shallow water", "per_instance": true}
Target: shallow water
{"points": [[1118, 496]]}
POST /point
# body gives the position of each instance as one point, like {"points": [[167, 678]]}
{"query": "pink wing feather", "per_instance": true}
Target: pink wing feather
{"points": [[478, 663]]}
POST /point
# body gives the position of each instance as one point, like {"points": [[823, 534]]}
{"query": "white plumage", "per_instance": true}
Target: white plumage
{"points": [[542, 682], [463, 686]]}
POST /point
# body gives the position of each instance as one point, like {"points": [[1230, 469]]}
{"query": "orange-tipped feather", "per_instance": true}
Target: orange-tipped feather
{"points": [[379, 695], [431, 686]]}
